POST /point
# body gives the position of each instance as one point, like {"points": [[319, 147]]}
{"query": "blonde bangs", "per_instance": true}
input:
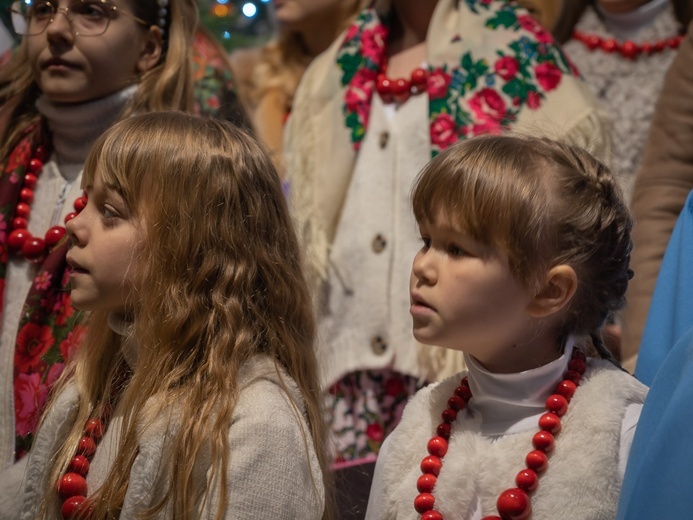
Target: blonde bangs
{"points": [[492, 189]]}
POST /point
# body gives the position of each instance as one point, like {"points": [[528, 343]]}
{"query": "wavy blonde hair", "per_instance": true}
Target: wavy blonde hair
{"points": [[219, 281], [167, 86]]}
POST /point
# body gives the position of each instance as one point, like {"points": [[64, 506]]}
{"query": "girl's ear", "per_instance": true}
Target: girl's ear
{"points": [[556, 293], [152, 46]]}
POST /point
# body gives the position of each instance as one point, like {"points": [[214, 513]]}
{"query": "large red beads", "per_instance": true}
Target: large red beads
{"points": [[537, 461], [527, 480], [94, 428], [426, 483], [464, 392], [432, 515], [35, 166], [17, 237], [566, 388], [34, 249], [26, 195], [550, 422], [79, 464], [400, 89], [543, 441], [54, 235], [22, 210], [424, 502], [71, 506], [72, 484], [19, 223], [449, 415], [431, 464], [86, 447], [444, 430], [438, 446], [513, 504], [557, 404], [30, 181]]}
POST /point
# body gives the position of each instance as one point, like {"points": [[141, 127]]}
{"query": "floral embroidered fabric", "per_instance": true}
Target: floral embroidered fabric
{"points": [[471, 96], [363, 408], [48, 331]]}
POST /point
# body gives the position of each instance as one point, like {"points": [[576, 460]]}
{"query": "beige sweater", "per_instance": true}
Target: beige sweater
{"points": [[273, 470]]}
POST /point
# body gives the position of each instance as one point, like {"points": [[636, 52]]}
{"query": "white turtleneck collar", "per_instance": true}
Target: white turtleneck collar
{"points": [[74, 128], [125, 328], [625, 26], [508, 403]]}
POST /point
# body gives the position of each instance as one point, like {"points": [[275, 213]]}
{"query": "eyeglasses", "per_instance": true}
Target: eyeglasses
{"points": [[87, 17]]}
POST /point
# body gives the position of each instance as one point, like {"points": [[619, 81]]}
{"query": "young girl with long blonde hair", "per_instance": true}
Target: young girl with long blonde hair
{"points": [[195, 394], [81, 66], [525, 251]]}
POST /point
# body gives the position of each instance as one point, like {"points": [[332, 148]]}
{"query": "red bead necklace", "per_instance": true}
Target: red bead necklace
{"points": [[20, 239], [400, 89], [513, 503], [627, 49], [72, 486]]}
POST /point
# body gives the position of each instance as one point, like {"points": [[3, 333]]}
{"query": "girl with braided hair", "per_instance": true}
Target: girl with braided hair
{"points": [[525, 251]]}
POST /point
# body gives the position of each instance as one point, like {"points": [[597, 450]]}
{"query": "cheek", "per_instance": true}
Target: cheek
{"points": [[35, 45]]}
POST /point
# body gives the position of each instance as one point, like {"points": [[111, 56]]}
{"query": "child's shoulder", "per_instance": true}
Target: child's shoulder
{"points": [[264, 381], [601, 372], [607, 388]]}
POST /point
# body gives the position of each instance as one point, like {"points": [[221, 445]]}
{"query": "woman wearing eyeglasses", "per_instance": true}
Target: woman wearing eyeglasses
{"points": [[81, 66]]}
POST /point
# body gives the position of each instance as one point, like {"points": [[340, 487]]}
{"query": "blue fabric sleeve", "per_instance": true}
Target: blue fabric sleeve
{"points": [[659, 475], [671, 310]]}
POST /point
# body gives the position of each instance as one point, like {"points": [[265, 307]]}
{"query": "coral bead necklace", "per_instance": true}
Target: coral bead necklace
{"points": [[627, 49], [400, 89], [513, 503], [72, 486], [20, 240]]}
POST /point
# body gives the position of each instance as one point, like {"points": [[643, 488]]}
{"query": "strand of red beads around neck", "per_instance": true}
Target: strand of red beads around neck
{"points": [[400, 90], [72, 486], [20, 240], [627, 49], [513, 503]]}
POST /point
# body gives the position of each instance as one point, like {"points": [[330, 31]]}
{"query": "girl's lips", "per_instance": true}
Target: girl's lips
{"points": [[419, 305], [75, 267], [56, 63]]}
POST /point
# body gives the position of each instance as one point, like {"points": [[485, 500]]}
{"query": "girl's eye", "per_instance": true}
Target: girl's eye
{"points": [[109, 213], [455, 250], [426, 243], [41, 11], [90, 10]]}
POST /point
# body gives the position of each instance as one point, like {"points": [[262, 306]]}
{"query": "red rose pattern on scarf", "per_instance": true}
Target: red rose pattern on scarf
{"points": [[468, 98]]}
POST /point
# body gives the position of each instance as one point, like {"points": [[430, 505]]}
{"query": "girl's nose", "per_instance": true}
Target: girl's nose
{"points": [[424, 268], [76, 229], [60, 28]]}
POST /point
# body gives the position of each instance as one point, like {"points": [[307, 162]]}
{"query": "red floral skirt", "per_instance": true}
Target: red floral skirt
{"points": [[363, 408]]}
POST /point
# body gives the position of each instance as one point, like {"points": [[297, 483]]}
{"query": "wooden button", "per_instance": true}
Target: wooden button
{"points": [[379, 243], [378, 345], [384, 138]]}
